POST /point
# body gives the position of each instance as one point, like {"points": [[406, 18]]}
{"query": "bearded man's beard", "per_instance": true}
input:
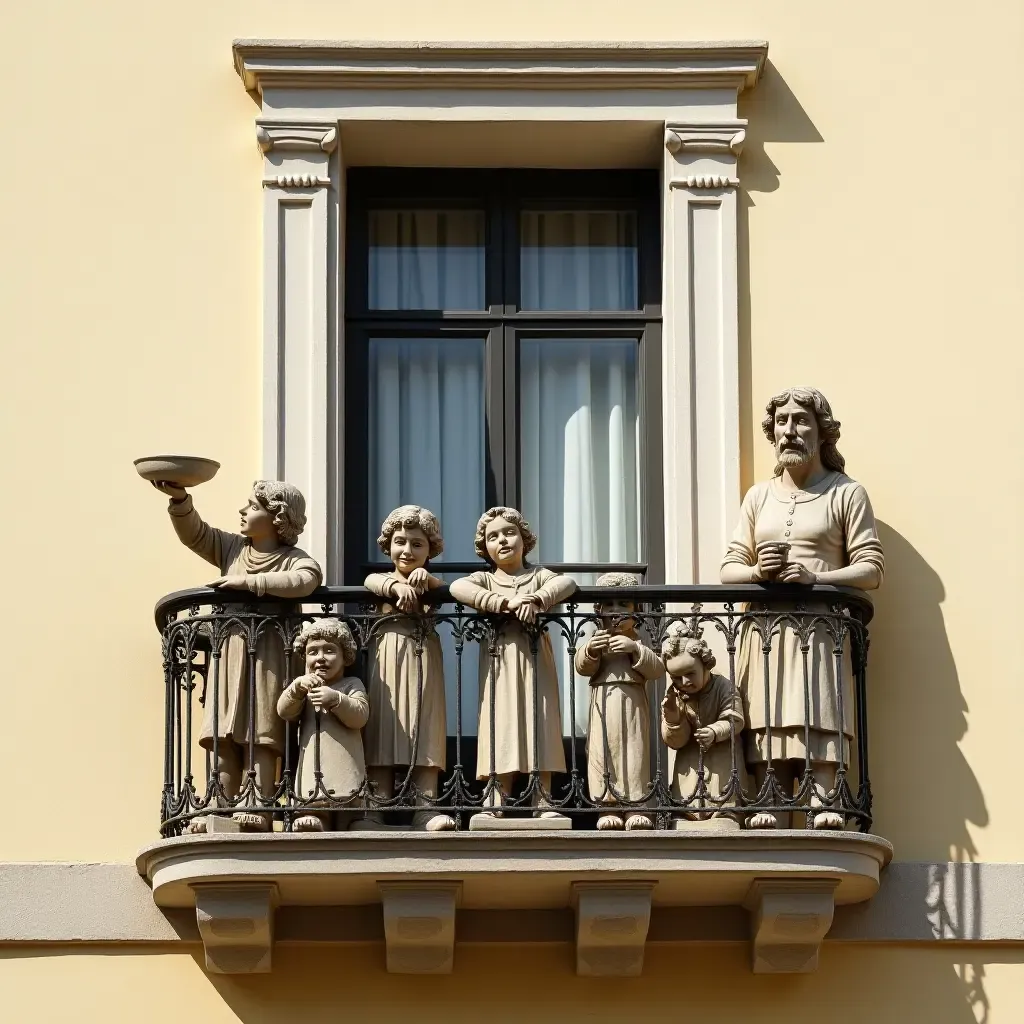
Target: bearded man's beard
{"points": [[794, 456]]}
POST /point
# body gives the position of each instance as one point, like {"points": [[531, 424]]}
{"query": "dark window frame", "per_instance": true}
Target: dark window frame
{"points": [[503, 194]]}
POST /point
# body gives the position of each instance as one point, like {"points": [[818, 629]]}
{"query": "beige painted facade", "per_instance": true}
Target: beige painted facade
{"points": [[880, 221]]}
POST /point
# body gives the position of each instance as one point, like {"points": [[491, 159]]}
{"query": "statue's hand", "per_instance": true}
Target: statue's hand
{"points": [[419, 580], [173, 491], [670, 709], [704, 736], [229, 582], [794, 573]]}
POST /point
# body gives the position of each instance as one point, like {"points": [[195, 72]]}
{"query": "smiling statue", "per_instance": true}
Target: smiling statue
{"points": [[809, 524]]}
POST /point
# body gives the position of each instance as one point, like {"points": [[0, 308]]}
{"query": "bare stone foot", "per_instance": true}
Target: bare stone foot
{"points": [[250, 821], [828, 819], [490, 814], [196, 827], [308, 823], [548, 814], [439, 823], [639, 821], [609, 821], [763, 819]]}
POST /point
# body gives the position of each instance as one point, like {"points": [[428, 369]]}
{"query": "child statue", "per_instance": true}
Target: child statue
{"points": [[522, 682], [408, 722], [618, 734], [336, 703], [700, 713], [261, 559]]}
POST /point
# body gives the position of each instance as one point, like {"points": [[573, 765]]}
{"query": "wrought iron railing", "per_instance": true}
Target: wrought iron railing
{"points": [[746, 625]]}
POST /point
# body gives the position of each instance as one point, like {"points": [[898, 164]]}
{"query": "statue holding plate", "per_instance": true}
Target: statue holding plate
{"points": [[261, 559]]}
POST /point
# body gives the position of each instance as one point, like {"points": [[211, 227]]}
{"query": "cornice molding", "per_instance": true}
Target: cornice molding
{"points": [[705, 181], [293, 63]]}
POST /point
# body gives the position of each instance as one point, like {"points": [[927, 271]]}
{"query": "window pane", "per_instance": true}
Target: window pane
{"points": [[427, 435], [581, 479], [578, 259], [426, 259]]}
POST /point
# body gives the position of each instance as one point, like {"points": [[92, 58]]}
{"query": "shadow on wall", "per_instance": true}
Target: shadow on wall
{"points": [[775, 115], [925, 791], [538, 983]]}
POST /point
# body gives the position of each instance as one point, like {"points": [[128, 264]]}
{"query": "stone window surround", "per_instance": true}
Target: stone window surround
{"points": [[573, 104]]}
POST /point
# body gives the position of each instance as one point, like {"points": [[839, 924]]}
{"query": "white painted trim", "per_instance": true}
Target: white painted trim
{"points": [[310, 90]]}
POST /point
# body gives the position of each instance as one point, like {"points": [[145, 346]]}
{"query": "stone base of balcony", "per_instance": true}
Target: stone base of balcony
{"points": [[788, 880]]}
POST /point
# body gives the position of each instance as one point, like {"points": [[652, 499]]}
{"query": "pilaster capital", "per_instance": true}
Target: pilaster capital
{"points": [[725, 139], [296, 137]]}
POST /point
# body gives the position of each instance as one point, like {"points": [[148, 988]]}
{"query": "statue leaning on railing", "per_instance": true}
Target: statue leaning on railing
{"points": [[261, 559], [809, 524]]}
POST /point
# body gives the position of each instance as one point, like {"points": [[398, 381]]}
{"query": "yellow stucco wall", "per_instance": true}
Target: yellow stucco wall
{"points": [[881, 226], [510, 984]]}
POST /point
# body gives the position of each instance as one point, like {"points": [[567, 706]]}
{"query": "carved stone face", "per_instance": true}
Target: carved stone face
{"points": [[617, 616], [257, 522], [324, 658], [688, 673], [409, 549], [796, 434], [504, 544]]}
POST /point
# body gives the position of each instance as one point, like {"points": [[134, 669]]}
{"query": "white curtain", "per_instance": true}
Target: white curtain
{"points": [[427, 434], [426, 259], [427, 441], [578, 259], [580, 437]]}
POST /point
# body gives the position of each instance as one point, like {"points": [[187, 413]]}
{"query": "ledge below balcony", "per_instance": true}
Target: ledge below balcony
{"points": [[789, 880]]}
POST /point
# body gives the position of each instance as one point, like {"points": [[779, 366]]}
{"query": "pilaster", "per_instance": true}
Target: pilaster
{"points": [[300, 200], [701, 348]]}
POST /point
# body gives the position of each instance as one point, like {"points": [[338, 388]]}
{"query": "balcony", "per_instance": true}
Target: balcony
{"points": [[544, 851]]}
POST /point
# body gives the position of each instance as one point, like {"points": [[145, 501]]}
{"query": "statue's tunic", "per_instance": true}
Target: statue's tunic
{"points": [[287, 572], [407, 701], [828, 526], [520, 691], [718, 707], [619, 732], [341, 743]]}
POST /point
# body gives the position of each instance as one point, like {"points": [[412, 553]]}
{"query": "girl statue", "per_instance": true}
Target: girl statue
{"points": [[261, 559], [518, 670], [408, 723]]}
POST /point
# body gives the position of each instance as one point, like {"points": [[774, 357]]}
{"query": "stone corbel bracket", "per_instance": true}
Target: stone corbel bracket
{"points": [[296, 153], [236, 923], [788, 921], [419, 926], [612, 919], [705, 155]]}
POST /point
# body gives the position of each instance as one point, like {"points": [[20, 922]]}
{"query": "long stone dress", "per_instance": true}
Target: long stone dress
{"points": [[341, 745], [828, 526], [402, 715], [518, 690], [619, 731], [717, 705], [287, 572]]}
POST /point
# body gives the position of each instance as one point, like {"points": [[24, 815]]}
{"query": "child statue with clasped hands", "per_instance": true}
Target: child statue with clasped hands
{"points": [[261, 559], [619, 666], [333, 705], [408, 721], [517, 669]]}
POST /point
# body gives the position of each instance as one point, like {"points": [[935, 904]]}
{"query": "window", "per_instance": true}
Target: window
{"points": [[502, 347]]}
